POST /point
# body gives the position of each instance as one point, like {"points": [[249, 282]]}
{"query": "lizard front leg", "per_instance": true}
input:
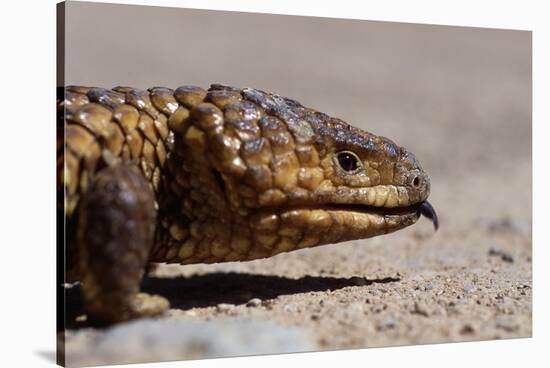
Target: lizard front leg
{"points": [[116, 225]]}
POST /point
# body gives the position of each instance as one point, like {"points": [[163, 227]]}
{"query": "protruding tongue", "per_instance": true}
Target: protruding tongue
{"points": [[427, 210]]}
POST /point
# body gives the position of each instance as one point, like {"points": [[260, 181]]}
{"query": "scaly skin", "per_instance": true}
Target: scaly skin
{"points": [[221, 175]]}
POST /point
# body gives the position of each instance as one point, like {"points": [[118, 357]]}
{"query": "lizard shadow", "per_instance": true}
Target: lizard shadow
{"points": [[238, 288], [206, 290]]}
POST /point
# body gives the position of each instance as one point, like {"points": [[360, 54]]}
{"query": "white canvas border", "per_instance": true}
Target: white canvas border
{"points": [[28, 179]]}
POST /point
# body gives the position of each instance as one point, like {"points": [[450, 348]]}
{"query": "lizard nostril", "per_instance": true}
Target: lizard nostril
{"points": [[416, 181]]}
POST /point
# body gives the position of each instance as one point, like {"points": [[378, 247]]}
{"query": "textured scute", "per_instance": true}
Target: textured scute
{"points": [[122, 121]]}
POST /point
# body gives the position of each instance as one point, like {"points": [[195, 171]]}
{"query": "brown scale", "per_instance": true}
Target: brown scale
{"points": [[119, 121]]}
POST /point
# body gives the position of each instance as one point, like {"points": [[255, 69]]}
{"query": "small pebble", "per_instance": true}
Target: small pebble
{"points": [[467, 329], [255, 302], [373, 300], [505, 256], [386, 325], [469, 289], [290, 308], [420, 308], [378, 308], [224, 307]]}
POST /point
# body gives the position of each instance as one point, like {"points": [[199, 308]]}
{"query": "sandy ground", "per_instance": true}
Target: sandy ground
{"points": [[459, 98]]}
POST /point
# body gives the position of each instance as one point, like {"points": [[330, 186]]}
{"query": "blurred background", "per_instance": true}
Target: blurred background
{"points": [[458, 97]]}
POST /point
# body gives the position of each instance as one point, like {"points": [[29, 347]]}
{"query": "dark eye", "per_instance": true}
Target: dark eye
{"points": [[348, 161]]}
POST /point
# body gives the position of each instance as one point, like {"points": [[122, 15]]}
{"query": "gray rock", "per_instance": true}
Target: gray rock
{"points": [[164, 340]]}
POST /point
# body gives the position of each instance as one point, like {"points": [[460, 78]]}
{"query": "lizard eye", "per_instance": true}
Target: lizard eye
{"points": [[348, 161]]}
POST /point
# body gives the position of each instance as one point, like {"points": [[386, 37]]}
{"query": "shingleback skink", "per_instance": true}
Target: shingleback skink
{"points": [[202, 176]]}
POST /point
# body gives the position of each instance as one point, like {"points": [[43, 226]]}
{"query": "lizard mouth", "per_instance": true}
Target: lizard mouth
{"points": [[420, 209]]}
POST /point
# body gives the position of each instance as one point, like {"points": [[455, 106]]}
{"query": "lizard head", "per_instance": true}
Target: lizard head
{"points": [[282, 176]]}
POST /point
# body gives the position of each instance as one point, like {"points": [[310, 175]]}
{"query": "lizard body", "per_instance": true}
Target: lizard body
{"points": [[225, 174]]}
